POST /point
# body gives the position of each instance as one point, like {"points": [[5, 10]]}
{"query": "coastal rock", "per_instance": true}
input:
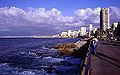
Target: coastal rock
{"points": [[70, 48]]}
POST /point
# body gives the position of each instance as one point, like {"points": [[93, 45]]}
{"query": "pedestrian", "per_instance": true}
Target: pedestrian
{"points": [[94, 43]]}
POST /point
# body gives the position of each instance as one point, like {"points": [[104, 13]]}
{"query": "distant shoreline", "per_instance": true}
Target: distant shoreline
{"points": [[27, 38]]}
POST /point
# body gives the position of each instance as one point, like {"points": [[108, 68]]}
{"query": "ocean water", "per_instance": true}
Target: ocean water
{"points": [[36, 57]]}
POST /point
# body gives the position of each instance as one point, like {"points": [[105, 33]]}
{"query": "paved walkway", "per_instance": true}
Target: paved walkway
{"points": [[107, 60]]}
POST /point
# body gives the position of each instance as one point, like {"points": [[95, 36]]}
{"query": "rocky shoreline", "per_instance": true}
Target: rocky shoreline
{"points": [[76, 48]]}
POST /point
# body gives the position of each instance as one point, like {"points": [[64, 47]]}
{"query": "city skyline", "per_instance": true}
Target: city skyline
{"points": [[47, 17]]}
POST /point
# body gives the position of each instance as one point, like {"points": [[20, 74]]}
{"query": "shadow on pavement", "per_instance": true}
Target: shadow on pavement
{"points": [[114, 44], [103, 56], [114, 59]]}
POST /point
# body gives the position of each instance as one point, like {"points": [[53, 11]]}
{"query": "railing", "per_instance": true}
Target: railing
{"points": [[87, 70]]}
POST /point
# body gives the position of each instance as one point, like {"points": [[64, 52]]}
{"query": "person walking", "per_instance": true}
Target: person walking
{"points": [[94, 43]]}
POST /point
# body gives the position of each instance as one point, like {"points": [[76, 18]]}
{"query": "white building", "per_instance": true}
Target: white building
{"points": [[114, 25], [75, 34], [83, 31], [90, 27], [69, 33], [64, 34]]}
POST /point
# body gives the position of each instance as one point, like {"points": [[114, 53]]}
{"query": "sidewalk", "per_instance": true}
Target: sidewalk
{"points": [[107, 60]]}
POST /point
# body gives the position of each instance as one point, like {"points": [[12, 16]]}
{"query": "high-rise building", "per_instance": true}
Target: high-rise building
{"points": [[104, 19], [90, 27]]}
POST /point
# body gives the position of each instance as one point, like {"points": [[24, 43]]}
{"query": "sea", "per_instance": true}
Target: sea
{"points": [[37, 56]]}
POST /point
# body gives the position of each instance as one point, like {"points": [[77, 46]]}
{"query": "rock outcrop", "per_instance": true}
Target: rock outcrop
{"points": [[71, 48]]}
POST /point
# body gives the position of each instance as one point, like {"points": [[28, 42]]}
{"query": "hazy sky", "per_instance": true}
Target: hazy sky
{"points": [[46, 17]]}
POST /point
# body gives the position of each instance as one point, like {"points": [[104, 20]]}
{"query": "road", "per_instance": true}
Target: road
{"points": [[107, 60]]}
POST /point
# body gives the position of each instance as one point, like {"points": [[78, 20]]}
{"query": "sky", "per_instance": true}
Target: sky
{"points": [[48, 17]]}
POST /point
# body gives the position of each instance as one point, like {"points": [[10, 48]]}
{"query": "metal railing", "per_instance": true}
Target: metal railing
{"points": [[87, 70]]}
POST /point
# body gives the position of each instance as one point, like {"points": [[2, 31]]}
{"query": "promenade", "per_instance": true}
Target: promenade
{"points": [[107, 60]]}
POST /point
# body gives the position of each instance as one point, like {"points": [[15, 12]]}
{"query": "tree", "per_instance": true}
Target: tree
{"points": [[118, 29], [108, 33]]}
